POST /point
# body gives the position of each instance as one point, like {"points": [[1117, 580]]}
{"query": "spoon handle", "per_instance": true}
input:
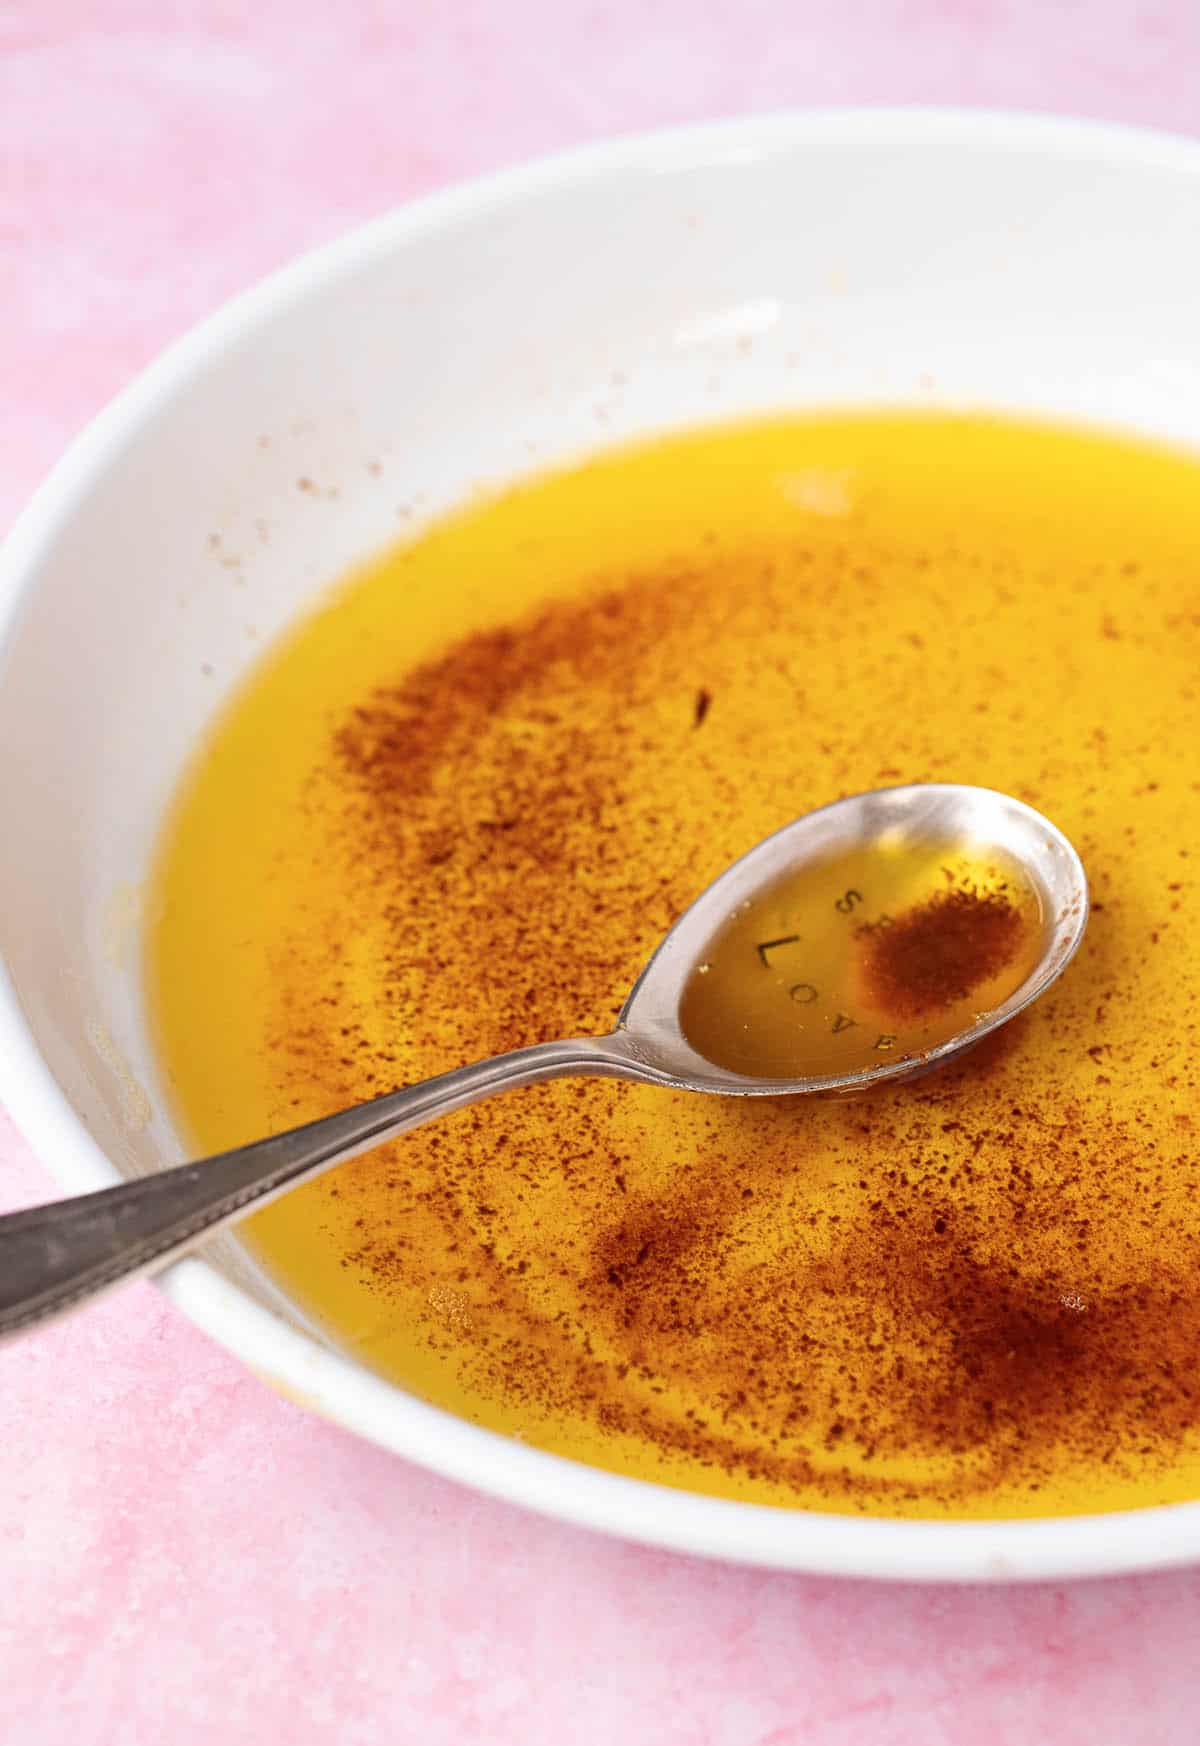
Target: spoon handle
{"points": [[55, 1257]]}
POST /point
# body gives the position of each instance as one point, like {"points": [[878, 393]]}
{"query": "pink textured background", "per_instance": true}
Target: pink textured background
{"points": [[184, 1557]]}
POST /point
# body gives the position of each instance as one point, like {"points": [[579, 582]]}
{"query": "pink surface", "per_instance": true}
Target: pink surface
{"points": [[183, 1556]]}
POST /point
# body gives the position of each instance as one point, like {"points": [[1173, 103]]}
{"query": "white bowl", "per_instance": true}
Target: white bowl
{"points": [[914, 257]]}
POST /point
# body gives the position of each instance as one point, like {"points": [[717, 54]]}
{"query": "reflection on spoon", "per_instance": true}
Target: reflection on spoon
{"points": [[871, 940]]}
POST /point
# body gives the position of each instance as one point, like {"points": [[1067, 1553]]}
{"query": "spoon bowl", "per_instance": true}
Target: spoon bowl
{"points": [[53, 1258], [933, 811]]}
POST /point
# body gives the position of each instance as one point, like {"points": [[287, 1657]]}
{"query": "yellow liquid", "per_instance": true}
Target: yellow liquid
{"points": [[456, 810], [790, 985]]}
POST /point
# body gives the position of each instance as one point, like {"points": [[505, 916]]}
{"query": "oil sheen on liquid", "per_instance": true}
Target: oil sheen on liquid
{"points": [[457, 808]]}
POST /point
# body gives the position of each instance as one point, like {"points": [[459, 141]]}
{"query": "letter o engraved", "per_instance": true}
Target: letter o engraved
{"points": [[803, 993]]}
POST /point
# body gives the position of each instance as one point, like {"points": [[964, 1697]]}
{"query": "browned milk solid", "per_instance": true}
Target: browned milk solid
{"points": [[456, 810]]}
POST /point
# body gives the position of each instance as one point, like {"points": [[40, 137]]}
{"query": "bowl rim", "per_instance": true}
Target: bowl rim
{"points": [[335, 1385]]}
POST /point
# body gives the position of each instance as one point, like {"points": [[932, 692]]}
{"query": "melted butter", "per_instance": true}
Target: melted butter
{"points": [[456, 810], [858, 959]]}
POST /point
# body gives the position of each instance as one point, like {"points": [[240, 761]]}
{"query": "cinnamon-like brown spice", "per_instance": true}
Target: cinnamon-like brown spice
{"points": [[951, 1295], [940, 951], [970, 1294]]}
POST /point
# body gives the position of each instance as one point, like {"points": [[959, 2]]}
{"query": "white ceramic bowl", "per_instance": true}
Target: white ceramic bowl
{"points": [[914, 257]]}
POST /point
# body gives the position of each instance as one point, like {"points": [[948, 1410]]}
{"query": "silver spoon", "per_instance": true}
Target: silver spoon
{"points": [[57, 1256]]}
